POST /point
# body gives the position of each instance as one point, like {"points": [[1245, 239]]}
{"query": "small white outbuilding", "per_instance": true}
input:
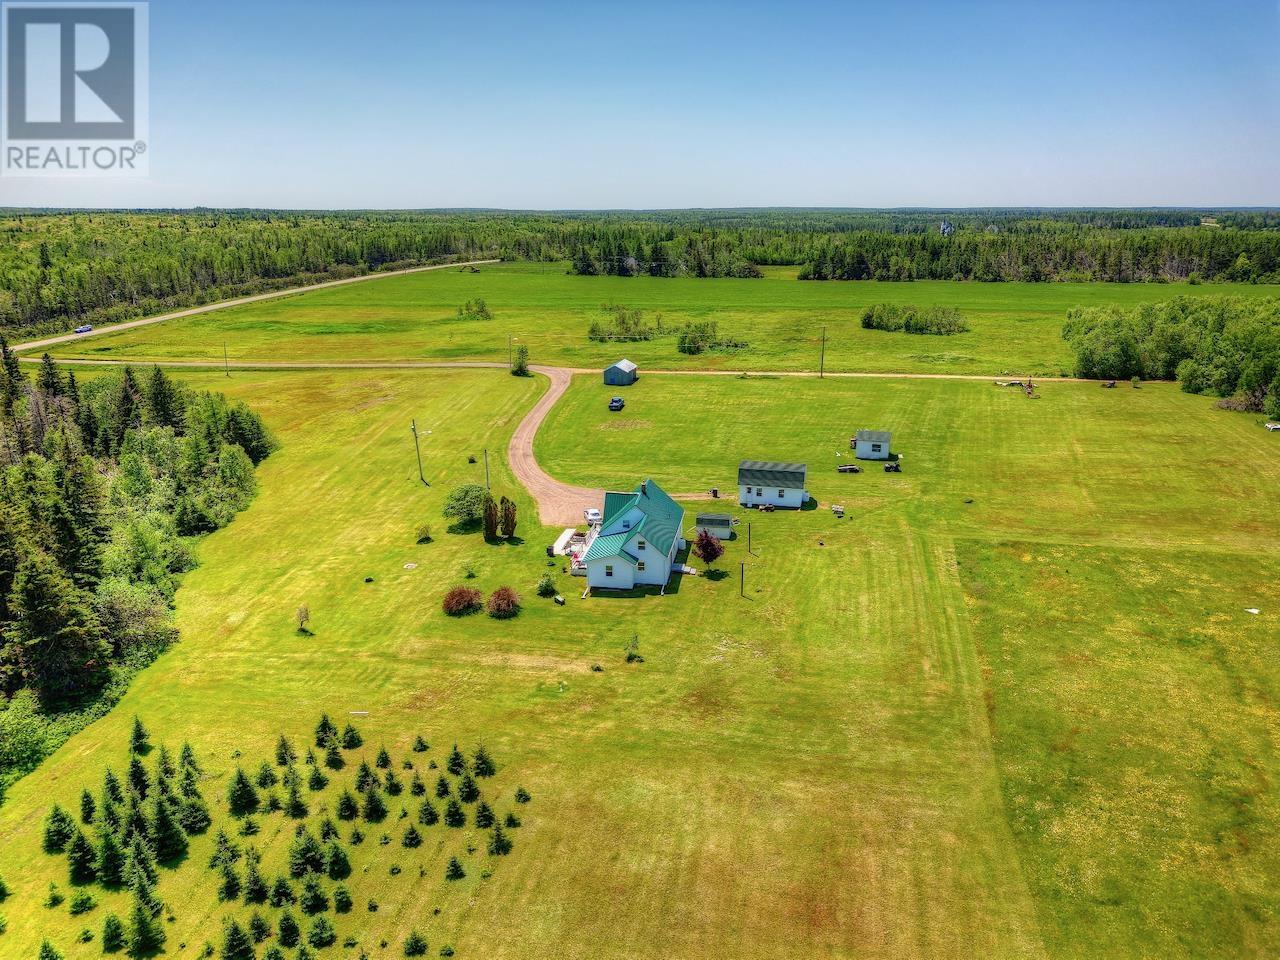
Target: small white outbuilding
{"points": [[872, 444], [769, 482]]}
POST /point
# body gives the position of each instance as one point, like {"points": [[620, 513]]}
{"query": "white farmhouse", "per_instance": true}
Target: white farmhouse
{"points": [[636, 541], [872, 444], [779, 484]]}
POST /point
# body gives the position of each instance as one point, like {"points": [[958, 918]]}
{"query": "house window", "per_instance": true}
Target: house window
{"points": [[640, 543], [781, 494], [875, 448], [759, 492], [626, 524], [608, 570], [640, 565]]}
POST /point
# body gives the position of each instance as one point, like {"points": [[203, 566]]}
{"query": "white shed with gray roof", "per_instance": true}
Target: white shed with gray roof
{"points": [[872, 444], [768, 481]]}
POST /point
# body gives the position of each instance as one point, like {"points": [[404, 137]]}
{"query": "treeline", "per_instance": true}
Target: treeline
{"points": [[1228, 347], [100, 482], [62, 268], [908, 318]]}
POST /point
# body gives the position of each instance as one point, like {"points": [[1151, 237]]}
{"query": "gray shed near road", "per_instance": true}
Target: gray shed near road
{"points": [[621, 374]]}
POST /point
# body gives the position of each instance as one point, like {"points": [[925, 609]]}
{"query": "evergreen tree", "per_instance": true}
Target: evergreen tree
{"points": [[351, 738], [47, 952], [187, 760], [412, 838], [58, 830], [242, 798], [111, 788], [165, 770], [419, 745], [365, 777], [294, 805], [375, 809], [135, 819], [236, 943], [54, 637], [146, 935], [482, 764], [310, 758], [126, 409], [168, 837], [266, 778], [317, 780], [416, 787], [454, 816], [229, 885], [333, 756], [325, 731], [139, 779], [110, 860], [306, 855], [287, 931], [347, 807], [143, 891], [384, 759], [427, 815], [442, 788], [50, 378], [484, 816], [499, 842], [328, 830], [454, 870], [255, 886], [468, 792], [109, 816], [512, 820], [139, 861], [88, 807], [193, 815], [4, 890], [139, 738], [341, 899], [285, 754], [457, 764], [164, 402], [393, 785], [321, 933], [224, 850], [337, 865], [259, 928], [313, 899], [81, 859], [112, 934], [522, 795], [415, 945], [281, 892]]}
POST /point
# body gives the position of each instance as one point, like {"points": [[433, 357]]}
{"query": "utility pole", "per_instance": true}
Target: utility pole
{"points": [[742, 579], [226, 364], [486, 468], [418, 450], [822, 358], [510, 355], [748, 536]]}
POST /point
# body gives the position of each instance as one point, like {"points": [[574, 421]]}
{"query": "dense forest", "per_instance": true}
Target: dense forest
{"points": [[101, 483], [60, 268], [1227, 347]]}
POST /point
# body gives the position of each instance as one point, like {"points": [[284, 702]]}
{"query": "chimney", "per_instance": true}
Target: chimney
{"points": [[644, 488]]}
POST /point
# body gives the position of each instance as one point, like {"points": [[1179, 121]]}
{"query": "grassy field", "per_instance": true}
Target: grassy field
{"points": [[1015, 327], [1011, 706]]}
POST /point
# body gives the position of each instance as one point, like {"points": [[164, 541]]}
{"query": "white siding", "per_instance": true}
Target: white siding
{"points": [[865, 450], [779, 497], [623, 574]]}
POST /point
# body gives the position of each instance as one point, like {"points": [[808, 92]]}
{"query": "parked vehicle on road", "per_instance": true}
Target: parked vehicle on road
{"points": [[616, 404], [85, 328]]}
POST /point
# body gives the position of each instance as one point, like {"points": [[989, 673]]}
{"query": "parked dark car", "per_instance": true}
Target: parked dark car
{"points": [[848, 468], [616, 404]]}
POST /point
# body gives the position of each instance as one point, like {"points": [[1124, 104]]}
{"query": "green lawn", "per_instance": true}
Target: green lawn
{"points": [[1015, 327], [1037, 724]]}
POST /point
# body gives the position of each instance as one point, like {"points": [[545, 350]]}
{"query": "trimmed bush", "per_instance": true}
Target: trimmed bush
{"points": [[503, 604], [461, 601], [546, 586]]}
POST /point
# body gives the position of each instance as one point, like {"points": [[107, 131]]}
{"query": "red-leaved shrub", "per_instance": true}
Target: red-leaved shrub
{"points": [[503, 603], [461, 600]]}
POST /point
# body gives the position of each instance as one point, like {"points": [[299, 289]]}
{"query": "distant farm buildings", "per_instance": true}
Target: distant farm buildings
{"points": [[764, 482], [621, 374]]}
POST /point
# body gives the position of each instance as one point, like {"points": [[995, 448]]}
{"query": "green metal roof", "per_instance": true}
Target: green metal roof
{"points": [[659, 523], [604, 548]]}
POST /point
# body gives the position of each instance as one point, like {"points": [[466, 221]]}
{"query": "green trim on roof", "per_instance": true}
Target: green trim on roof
{"points": [[608, 548]]}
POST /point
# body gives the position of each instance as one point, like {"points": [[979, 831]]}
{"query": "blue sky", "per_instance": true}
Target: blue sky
{"points": [[529, 105]]}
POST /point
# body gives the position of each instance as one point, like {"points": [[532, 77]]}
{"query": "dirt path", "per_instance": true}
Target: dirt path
{"points": [[224, 304], [559, 504]]}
